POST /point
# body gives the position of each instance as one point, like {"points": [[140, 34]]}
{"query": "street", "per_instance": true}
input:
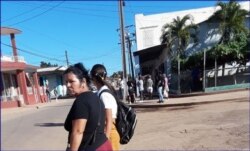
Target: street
{"points": [[36, 129], [215, 126]]}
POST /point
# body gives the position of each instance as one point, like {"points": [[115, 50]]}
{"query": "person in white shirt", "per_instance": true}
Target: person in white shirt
{"points": [[166, 88], [149, 85], [98, 76], [141, 87]]}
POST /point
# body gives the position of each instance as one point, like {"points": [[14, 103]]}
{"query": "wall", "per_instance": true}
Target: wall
{"points": [[10, 104]]}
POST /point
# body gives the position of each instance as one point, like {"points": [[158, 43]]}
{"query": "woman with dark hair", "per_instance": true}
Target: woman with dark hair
{"points": [[85, 120], [98, 75]]}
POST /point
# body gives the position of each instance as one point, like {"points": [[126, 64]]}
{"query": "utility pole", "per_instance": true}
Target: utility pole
{"points": [[204, 70], [129, 46], [129, 65], [121, 4], [67, 60]]}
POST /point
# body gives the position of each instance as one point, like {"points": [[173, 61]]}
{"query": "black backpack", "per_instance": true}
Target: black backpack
{"points": [[126, 119]]}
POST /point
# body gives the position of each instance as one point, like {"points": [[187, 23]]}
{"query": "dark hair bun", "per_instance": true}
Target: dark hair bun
{"points": [[98, 70], [81, 68]]}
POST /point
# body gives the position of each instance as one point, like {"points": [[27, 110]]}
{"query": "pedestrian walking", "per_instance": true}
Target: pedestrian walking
{"points": [[141, 88], [121, 89], [166, 88], [131, 90], [56, 93], [160, 85], [98, 76], [136, 86], [86, 118], [48, 93], [149, 86]]}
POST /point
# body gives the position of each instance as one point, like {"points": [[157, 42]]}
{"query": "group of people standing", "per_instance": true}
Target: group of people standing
{"points": [[161, 86], [91, 120], [144, 87]]}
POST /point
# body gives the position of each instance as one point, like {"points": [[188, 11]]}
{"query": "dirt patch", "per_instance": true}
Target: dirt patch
{"points": [[217, 126]]}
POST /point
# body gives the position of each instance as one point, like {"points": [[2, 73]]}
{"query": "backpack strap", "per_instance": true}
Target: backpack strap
{"points": [[105, 90], [109, 91]]}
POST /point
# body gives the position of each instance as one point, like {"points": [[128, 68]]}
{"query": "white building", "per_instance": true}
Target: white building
{"points": [[148, 33]]}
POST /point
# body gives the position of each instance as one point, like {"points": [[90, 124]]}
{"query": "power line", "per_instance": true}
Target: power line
{"points": [[23, 13], [101, 5], [96, 57], [102, 10], [34, 54], [30, 18], [104, 55], [55, 59], [104, 4], [77, 9], [50, 37], [86, 8], [22, 44]]}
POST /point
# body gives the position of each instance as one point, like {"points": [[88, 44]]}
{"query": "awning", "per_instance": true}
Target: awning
{"points": [[50, 70], [13, 66], [149, 55]]}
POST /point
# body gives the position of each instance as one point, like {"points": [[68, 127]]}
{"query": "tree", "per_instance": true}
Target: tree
{"points": [[231, 20], [45, 64], [176, 36]]}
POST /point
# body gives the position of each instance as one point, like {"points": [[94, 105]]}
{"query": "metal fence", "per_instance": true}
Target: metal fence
{"points": [[222, 78]]}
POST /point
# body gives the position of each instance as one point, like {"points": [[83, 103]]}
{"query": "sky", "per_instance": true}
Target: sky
{"points": [[87, 30]]}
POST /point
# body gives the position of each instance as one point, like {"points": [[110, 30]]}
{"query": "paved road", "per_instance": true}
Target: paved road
{"points": [[221, 125], [35, 129]]}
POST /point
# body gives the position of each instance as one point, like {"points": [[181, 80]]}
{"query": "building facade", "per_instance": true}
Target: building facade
{"points": [[19, 80], [52, 78], [149, 30]]}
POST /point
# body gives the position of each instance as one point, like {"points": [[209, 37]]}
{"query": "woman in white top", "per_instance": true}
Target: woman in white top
{"points": [[141, 87], [98, 75]]}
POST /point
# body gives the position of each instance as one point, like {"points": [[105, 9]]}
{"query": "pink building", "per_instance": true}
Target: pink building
{"points": [[19, 84]]}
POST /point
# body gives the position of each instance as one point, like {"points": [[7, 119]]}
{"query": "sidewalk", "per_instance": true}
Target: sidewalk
{"points": [[183, 100], [197, 98]]}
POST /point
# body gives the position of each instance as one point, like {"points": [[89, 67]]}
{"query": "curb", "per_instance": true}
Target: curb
{"points": [[206, 93], [183, 104]]}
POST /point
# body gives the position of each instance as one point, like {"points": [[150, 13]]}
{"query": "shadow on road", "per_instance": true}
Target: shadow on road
{"points": [[242, 100], [166, 109], [49, 124], [180, 108], [57, 106]]}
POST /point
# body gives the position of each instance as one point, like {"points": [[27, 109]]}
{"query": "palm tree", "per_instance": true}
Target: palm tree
{"points": [[177, 35], [231, 20]]}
